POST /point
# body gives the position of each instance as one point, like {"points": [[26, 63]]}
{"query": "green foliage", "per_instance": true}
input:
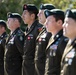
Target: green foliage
{"points": [[74, 4]]}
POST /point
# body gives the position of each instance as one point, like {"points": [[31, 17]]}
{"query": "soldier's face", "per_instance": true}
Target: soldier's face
{"points": [[1, 30], [10, 23], [41, 17], [50, 24], [69, 28], [26, 17]]}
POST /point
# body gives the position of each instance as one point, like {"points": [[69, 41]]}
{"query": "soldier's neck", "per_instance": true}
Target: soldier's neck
{"points": [[13, 30], [55, 32], [1, 33], [30, 24]]}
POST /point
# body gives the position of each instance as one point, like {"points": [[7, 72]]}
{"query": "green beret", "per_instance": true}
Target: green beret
{"points": [[71, 13], [47, 6], [3, 23], [30, 7], [14, 15], [56, 12]]}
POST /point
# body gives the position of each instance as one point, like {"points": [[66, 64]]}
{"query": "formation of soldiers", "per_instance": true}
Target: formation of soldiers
{"points": [[47, 47]]}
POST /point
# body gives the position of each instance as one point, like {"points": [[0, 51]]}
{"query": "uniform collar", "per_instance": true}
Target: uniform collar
{"points": [[43, 27], [34, 23], [73, 42], [60, 33], [68, 48], [3, 35], [15, 31], [53, 39], [43, 30]]}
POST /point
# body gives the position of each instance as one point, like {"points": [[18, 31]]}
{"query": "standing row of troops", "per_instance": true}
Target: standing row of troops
{"points": [[47, 47]]}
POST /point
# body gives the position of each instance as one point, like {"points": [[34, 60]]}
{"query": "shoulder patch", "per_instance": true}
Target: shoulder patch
{"points": [[21, 38]]}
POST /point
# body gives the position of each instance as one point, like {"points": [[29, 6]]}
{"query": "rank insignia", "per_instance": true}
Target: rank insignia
{"points": [[53, 47]]}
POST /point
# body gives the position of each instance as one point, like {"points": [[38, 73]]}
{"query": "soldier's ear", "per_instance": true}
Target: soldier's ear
{"points": [[32, 16], [59, 22]]}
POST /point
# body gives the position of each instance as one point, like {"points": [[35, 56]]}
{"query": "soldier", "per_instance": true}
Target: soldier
{"points": [[42, 40], [29, 16], [57, 42], [68, 63], [14, 45], [41, 15], [3, 36]]}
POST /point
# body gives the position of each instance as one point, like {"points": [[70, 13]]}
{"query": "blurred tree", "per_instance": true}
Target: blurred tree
{"points": [[62, 4], [74, 4]]}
